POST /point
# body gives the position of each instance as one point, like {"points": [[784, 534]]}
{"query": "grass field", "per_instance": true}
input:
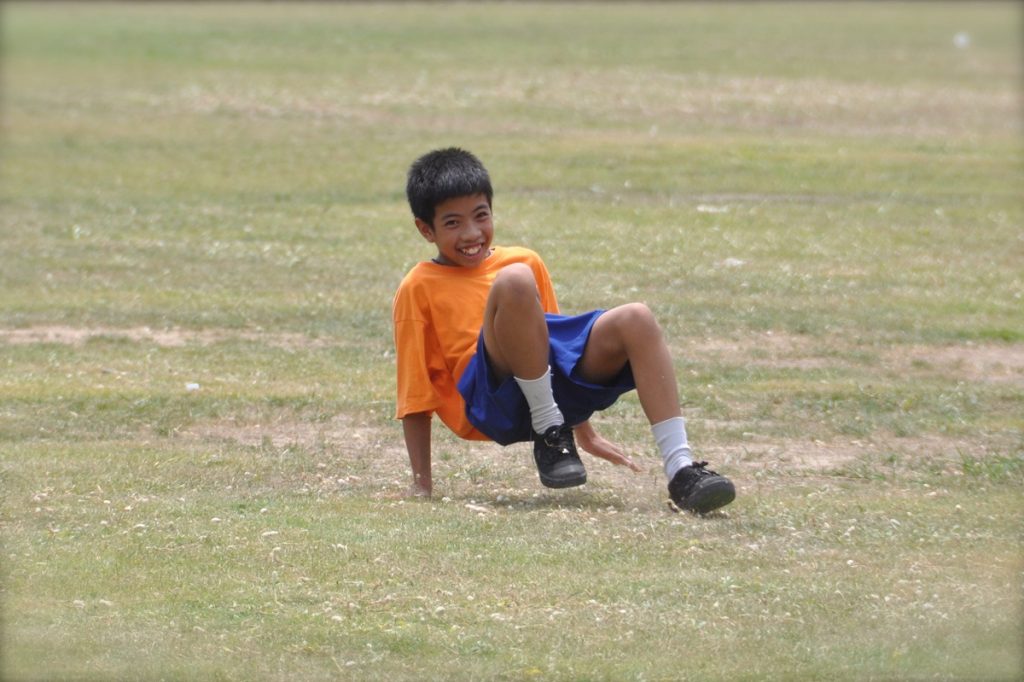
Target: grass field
{"points": [[202, 223]]}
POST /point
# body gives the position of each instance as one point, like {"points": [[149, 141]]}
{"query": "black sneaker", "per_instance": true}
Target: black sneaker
{"points": [[700, 490], [557, 461]]}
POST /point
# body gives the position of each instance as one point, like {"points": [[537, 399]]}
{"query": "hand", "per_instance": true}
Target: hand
{"points": [[589, 441]]}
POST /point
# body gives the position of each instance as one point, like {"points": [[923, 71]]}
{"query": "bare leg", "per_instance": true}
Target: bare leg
{"points": [[629, 333], [516, 337], [515, 331]]}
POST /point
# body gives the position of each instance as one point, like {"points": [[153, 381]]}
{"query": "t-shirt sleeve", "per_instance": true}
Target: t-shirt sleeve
{"points": [[416, 392], [418, 358], [546, 289]]}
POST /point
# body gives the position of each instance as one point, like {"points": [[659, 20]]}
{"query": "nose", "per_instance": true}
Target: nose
{"points": [[472, 231]]}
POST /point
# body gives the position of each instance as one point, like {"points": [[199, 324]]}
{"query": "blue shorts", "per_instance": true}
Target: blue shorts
{"points": [[498, 409]]}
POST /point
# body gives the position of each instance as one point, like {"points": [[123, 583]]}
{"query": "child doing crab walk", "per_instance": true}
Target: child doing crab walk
{"points": [[481, 343]]}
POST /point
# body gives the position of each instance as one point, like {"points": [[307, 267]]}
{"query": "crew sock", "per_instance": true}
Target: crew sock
{"points": [[544, 412], [675, 450]]}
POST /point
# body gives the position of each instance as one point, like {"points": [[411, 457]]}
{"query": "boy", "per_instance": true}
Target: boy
{"points": [[480, 343]]}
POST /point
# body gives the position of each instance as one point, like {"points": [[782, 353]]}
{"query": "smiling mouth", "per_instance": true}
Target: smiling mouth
{"points": [[471, 251]]}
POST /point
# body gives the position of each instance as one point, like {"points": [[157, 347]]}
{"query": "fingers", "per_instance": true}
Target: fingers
{"points": [[623, 460], [626, 461], [614, 454]]}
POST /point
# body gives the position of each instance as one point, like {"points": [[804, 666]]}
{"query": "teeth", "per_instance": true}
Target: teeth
{"points": [[472, 251]]}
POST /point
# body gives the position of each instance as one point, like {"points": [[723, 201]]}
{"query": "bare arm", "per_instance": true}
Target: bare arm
{"points": [[416, 428]]}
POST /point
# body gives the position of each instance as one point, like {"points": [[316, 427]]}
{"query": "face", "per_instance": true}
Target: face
{"points": [[462, 231]]}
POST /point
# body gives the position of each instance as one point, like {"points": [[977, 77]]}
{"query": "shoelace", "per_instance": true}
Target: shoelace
{"points": [[685, 485], [699, 468], [560, 439]]}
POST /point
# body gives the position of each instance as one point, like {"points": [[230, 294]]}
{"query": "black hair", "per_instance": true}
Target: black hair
{"points": [[441, 175]]}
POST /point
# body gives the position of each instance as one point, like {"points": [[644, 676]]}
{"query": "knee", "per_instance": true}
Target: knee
{"points": [[638, 315], [516, 279], [637, 319]]}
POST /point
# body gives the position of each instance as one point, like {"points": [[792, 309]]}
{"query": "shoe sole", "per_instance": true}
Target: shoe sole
{"points": [[707, 499], [572, 482]]}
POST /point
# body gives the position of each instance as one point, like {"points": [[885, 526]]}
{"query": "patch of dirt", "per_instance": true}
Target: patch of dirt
{"points": [[326, 456], [341, 455], [281, 432], [702, 101], [969, 362], [815, 456], [767, 349], [169, 338], [796, 455], [966, 362]]}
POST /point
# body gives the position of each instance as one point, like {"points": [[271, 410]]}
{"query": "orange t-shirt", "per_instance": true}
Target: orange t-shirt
{"points": [[438, 312]]}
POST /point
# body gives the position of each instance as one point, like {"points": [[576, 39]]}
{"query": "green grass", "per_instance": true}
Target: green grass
{"points": [[821, 202]]}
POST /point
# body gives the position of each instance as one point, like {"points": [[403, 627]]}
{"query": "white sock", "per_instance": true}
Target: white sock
{"points": [[675, 450], [544, 412]]}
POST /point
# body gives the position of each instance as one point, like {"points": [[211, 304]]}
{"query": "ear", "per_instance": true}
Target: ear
{"points": [[426, 230]]}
